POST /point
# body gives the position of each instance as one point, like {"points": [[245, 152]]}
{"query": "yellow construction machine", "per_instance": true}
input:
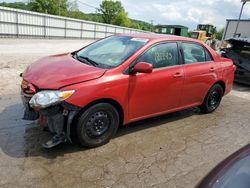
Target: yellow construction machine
{"points": [[206, 33]]}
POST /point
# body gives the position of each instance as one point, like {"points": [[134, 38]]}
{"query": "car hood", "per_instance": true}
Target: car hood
{"points": [[54, 72]]}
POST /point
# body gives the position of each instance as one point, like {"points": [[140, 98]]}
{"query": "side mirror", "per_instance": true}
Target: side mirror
{"points": [[143, 67]]}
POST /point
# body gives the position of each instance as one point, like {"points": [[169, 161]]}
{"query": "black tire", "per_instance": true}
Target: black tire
{"points": [[97, 125], [212, 99]]}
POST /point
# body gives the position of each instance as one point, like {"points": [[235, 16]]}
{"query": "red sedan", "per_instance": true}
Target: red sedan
{"points": [[87, 94]]}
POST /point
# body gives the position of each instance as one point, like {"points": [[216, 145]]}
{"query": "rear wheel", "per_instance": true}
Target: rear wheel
{"points": [[97, 125], [213, 99]]}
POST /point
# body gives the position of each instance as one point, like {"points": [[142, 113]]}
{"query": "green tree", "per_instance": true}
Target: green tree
{"points": [[56, 7], [219, 34], [110, 10], [122, 19], [73, 11], [18, 5], [134, 24], [73, 6]]}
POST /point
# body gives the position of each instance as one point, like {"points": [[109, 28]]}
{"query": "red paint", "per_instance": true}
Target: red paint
{"points": [[57, 71], [143, 67], [140, 95]]}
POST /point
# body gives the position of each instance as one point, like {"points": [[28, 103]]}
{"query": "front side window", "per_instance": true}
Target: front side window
{"points": [[112, 51], [161, 55], [194, 53]]}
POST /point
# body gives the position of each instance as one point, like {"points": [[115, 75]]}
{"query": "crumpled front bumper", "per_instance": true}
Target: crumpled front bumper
{"points": [[57, 118], [29, 113]]}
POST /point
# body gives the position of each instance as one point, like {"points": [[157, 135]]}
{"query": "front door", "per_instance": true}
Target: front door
{"points": [[157, 92]]}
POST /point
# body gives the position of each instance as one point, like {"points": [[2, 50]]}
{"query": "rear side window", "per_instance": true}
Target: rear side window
{"points": [[194, 53], [161, 55]]}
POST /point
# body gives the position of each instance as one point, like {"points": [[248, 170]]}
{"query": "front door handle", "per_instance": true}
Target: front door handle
{"points": [[212, 69], [178, 75]]}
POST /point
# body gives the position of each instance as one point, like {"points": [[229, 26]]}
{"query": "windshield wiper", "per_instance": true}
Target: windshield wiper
{"points": [[87, 60]]}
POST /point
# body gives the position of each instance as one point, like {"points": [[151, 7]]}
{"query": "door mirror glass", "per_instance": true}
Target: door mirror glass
{"points": [[143, 67]]}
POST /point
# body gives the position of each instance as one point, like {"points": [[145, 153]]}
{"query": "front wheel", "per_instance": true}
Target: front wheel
{"points": [[97, 125], [213, 99]]}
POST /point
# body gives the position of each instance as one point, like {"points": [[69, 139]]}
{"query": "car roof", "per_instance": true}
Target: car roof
{"points": [[159, 37]]}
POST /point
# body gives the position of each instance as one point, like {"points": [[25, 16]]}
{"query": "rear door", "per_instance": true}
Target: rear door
{"points": [[159, 91], [200, 73]]}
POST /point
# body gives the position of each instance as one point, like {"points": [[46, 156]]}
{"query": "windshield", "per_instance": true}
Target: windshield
{"points": [[195, 35], [112, 51]]}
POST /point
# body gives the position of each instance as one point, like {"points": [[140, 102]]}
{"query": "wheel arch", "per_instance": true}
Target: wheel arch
{"points": [[203, 106], [222, 84], [113, 102]]}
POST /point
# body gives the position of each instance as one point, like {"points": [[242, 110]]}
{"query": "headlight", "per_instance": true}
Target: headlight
{"points": [[47, 98]]}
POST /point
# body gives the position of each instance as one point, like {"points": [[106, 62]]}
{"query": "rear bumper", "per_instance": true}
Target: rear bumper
{"points": [[242, 76]]}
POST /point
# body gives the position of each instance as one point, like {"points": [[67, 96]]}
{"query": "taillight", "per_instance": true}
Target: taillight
{"points": [[234, 67]]}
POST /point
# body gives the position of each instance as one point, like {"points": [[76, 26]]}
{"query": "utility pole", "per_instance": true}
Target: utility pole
{"points": [[152, 25], [241, 10]]}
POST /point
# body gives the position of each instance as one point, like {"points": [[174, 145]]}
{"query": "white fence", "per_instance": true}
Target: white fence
{"points": [[21, 23]]}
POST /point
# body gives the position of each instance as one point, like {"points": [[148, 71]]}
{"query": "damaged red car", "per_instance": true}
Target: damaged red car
{"points": [[89, 93]]}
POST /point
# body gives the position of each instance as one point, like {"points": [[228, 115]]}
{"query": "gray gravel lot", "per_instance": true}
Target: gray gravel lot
{"points": [[174, 150]]}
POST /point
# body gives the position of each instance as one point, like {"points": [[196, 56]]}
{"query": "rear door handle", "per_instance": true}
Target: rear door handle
{"points": [[178, 75]]}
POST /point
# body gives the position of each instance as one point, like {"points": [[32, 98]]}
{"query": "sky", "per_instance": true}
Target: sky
{"points": [[178, 12]]}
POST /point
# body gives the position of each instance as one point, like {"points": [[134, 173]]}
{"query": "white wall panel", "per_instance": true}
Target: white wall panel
{"points": [[55, 22], [127, 31], [87, 26], [100, 35], [88, 34], [100, 28], [108, 34], [119, 30], [30, 19], [8, 29], [30, 30], [7, 16], [111, 29], [55, 32], [73, 25], [20, 22], [73, 33]]}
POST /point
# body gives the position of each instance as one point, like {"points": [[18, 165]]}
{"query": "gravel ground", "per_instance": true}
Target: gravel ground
{"points": [[175, 150]]}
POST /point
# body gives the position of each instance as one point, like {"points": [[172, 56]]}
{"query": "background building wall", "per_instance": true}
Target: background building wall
{"points": [[21, 23], [243, 29]]}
